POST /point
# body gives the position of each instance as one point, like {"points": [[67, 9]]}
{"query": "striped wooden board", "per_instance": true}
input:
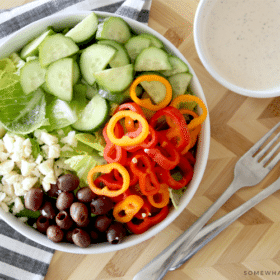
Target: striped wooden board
{"points": [[250, 247]]}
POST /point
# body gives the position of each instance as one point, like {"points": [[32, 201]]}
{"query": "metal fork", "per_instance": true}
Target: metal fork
{"points": [[250, 169]]}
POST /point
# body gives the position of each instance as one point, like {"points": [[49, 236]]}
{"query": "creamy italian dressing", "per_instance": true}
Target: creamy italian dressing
{"points": [[243, 41]]}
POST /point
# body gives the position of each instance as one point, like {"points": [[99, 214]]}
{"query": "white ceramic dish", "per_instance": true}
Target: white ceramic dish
{"points": [[210, 58], [67, 20]]}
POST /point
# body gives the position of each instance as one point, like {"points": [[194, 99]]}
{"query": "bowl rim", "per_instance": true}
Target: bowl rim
{"points": [[197, 31], [202, 151]]}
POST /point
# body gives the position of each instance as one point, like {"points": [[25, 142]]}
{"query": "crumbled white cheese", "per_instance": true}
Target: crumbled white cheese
{"points": [[2, 196], [54, 151], [29, 182], [27, 167], [9, 142], [48, 138], [39, 159], [46, 166], [70, 139], [48, 180], [18, 205], [6, 167]]}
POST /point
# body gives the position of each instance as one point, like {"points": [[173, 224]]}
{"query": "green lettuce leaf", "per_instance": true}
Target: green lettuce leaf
{"points": [[82, 165]]}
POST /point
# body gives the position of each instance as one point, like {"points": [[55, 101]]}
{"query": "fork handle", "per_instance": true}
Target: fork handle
{"points": [[212, 230], [158, 267]]}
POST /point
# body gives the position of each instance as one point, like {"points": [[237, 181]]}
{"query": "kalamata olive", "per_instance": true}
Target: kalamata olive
{"points": [[79, 214], [64, 200], [102, 223], [63, 220], [33, 199], [101, 205], [81, 238], [85, 195], [53, 191], [68, 182], [68, 236], [42, 224], [116, 233], [94, 236], [47, 210], [55, 233]]}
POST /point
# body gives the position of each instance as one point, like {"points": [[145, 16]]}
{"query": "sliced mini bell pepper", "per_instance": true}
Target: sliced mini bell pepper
{"points": [[110, 180], [194, 134], [132, 106], [137, 136], [113, 153], [138, 226], [125, 210], [164, 154], [186, 173], [149, 142], [178, 134], [189, 156], [161, 198], [190, 98], [145, 211], [147, 103], [105, 169], [142, 166]]}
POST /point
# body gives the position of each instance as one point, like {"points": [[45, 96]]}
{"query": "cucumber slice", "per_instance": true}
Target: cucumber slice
{"points": [[179, 83], [90, 90], [84, 30], [135, 45], [115, 80], [32, 49], [93, 116], [152, 59], [95, 58], [154, 40], [178, 66], [113, 28], [121, 57], [56, 47], [32, 76], [155, 89], [59, 78], [76, 72], [121, 97]]}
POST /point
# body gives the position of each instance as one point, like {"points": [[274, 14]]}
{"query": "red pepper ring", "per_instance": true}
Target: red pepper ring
{"points": [[138, 226], [180, 131], [110, 180], [164, 154], [186, 171], [126, 140], [149, 142], [142, 166], [113, 153]]}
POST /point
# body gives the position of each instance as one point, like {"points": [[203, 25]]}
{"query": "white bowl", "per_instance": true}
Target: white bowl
{"points": [[24, 35], [210, 55]]}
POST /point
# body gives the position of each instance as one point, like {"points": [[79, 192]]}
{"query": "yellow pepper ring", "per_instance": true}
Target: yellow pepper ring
{"points": [[146, 102], [107, 168], [188, 98], [126, 140]]}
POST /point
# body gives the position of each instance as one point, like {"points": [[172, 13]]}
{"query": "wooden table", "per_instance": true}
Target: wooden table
{"points": [[250, 247]]}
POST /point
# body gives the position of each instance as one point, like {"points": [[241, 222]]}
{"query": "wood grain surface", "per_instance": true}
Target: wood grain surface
{"points": [[250, 247]]}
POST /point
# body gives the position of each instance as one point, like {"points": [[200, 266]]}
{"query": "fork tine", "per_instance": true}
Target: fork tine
{"points": [[256, 147], [276, 159], [266, 148]]}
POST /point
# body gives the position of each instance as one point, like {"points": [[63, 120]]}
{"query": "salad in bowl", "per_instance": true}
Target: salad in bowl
{"points": [[104, 132]]}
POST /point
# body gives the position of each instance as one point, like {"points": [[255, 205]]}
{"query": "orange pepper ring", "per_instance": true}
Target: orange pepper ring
{"points": [[147, 103], [126, 140], [188, 98], [107, 168]]}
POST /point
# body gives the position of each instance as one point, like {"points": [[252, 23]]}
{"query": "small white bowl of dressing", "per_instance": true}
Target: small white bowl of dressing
{"points": [[238, 43]]}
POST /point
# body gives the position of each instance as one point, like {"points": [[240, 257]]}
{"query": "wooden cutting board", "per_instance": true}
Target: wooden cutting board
{"points": [[250, 247]]}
